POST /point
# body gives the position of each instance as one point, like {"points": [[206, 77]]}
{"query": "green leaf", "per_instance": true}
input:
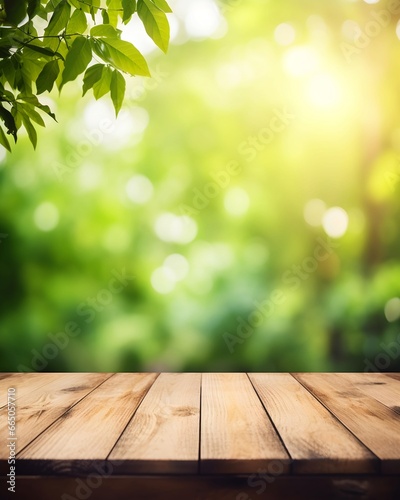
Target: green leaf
{"points": [[32, 99], [129, 7], [8, 68], [3, 140], [117, 88], [113, 11], [92, 75], [155, 23], [31, 69], [59, 19], [15, 11], [162, 4], [33, 7], [102, 86], [48, 75], [9, 122], [104, 31], [75, 3], [123, 56], [41, 50], [105, 17], [17, 117], [77, 23], [31, 113], [78, 57], [29, 128]]}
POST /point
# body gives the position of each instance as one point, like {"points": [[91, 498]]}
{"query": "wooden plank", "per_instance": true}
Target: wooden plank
{"points": [[379, 386], [237, 435], [373, 423], [163, 436], [89, 430], [396, 376], [24, 383], [209, 487], [39, 409], [316, 441]]}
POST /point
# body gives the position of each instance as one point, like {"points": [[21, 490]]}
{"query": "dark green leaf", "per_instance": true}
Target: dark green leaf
{"points": [[8, 68], [41, 50], [129, 7], [77, 23], [33, 8], [117, 90], [124, 56], [3, 140], [78, 57], [92, 75], [102, 86], [9, 122], [48, 75], [155, 23], [15, 11], [105, 17]]}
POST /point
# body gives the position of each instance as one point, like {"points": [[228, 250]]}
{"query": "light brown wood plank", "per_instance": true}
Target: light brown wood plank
{"points": [[39, 409], [396, 376], [372, 422], [89, 430], [316, 441], [236, 434], [24, 383], [379, 386], [163, 436]]}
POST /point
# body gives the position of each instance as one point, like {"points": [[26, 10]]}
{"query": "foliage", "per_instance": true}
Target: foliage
{"points": [[96, 200], [44, 43]]}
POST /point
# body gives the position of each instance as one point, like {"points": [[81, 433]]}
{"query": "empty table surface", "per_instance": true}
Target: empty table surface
{"points": [[204, 423]]}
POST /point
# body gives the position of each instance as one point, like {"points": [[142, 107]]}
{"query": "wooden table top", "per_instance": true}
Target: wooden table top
{"points": [[210, 423]]}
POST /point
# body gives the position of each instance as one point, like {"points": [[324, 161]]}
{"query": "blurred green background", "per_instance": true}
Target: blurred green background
{"points": [[268, 128]]}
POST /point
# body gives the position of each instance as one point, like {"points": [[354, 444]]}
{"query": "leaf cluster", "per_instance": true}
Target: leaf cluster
{"points": [[48, 43]]}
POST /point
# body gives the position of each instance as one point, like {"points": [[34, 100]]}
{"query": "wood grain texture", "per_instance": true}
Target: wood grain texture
{"points": [[384, 389], [375, 425], [163, 436], [316, 441], [37, 410], [24, 383], [237, 435], [89, 430]]}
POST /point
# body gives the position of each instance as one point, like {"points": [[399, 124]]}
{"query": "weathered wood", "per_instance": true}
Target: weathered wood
{"points": [[36, 411], [163, 436], [344, 487], [382, 388], [316, 441], [89, 430], [375, 425], [237, 435]]}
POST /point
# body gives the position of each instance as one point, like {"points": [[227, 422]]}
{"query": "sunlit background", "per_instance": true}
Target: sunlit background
{"points": [[240, 214]]}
